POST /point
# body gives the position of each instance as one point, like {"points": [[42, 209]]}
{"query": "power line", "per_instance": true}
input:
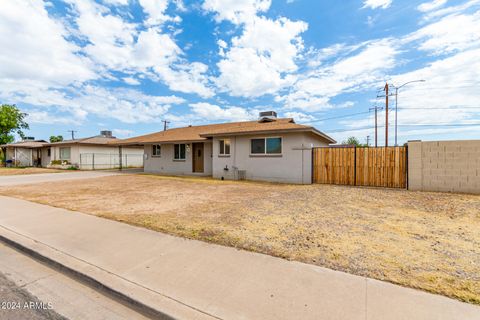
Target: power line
{"points": [[410, 125], [339, 117]]}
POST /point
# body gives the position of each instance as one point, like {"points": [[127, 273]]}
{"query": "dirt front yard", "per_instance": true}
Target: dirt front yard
{"points": [[429, 241], [16, 171]]}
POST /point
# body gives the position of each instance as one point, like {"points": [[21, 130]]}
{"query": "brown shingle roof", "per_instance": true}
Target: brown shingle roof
{"points": [[97, 140], [26, 144], [200, 133]]}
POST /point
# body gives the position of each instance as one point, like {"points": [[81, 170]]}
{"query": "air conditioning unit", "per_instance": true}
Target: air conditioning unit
{"points": [[266, 116]]}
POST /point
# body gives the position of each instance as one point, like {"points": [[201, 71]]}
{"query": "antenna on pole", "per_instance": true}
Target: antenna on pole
{"points": [[165, 122], [73, 133]]}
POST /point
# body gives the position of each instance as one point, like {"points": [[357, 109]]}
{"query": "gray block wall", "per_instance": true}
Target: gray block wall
{"points": [[448, 166]]}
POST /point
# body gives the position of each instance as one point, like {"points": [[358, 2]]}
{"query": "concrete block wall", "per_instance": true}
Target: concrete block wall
{"points": [[448, 166]]}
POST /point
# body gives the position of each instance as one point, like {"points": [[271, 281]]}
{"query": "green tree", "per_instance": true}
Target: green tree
{"points": [[56, 139], [12, 121], [353, 141]]}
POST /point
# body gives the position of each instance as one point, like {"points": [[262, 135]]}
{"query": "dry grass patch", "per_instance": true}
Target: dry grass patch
{"points": [[19, 171], [429, 241]]}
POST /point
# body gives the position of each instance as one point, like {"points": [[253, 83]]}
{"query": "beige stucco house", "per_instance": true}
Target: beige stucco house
{"points": [[85, 153], [27, 153], [269, 149]]}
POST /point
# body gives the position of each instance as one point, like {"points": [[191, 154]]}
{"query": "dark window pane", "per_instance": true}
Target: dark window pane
{"points": [[227, 146], [182, 151], [222, 146], [274, 145], [177, 151], [257, 146]]}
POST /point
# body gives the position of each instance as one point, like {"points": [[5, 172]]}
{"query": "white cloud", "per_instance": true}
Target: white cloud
{"points": [[374, 4], [213, 112], [299, 116], [118, 45], [155, 10], [453, 33], [123, 133], [236, 11], [431, 5], [44, 117], [262, 58], [34, 49], [361, 69], [131, 81], [116, 2]]}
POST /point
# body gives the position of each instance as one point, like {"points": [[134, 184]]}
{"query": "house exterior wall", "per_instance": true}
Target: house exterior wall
{"points": [[165, 163], [294, 165], [451, 166], [45, 158]]}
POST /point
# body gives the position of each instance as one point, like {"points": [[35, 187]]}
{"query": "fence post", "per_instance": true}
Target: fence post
{"points": [[93, 161], [355, 165], [120, 156]]}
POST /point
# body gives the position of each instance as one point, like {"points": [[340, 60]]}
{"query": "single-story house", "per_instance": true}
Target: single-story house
{"points": [[27, 153], [85, 153], [269, 149]]}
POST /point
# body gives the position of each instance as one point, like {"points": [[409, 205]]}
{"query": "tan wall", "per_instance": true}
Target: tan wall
{"points": [[294, 165], [167, 165], [451, 166]]}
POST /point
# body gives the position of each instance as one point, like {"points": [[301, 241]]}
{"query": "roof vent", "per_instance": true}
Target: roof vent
{"points": [[266, 116], [106, 133], [29, 139]]}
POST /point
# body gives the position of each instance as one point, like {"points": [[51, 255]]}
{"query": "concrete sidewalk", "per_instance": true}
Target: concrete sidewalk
{"points": [[188, 279], [51, 177]]}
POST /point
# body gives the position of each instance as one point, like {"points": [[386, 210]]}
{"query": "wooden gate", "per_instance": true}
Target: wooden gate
{"points": [[361, 166]]}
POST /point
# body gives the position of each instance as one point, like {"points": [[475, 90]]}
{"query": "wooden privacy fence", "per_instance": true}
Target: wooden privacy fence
{"points": [[361, 166]]}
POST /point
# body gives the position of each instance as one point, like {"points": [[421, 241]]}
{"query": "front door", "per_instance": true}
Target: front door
{"points": [[197, 157]]}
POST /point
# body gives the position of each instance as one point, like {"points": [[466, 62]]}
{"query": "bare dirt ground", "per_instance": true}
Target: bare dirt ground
{"points": [[424, 240], [16, 171]]}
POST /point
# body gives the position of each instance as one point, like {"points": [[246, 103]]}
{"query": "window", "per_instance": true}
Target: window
{"points": [[49, 152], [179, 151], [156, 150], [224, 147], [65, 153], [266, 146]]}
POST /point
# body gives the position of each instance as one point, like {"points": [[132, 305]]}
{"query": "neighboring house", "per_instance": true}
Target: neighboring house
{"points": [[270, 149], [27, 153], [95, 152]]}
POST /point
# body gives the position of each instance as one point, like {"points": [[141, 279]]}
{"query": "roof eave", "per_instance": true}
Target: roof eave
{"points": [[306, 129]]}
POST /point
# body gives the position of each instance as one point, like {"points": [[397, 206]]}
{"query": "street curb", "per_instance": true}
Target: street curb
{"points": [[104, 289]]}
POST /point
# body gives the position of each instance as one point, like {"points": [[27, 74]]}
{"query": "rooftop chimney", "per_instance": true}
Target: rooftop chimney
{"points": [[266, 116]]}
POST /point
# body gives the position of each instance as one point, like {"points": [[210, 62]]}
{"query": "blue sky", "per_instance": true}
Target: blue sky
{"points": [[126, 65]]}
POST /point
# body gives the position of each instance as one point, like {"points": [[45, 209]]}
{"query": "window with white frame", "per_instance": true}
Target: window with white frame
{"points": [[224, 145], [266, 146], [65, 153], [156, 150], [179, 151]]}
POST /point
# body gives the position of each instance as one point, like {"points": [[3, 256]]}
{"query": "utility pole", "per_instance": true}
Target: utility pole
{"points": [[386, 114], [165, 122], [376, 108], [73, 133]]}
